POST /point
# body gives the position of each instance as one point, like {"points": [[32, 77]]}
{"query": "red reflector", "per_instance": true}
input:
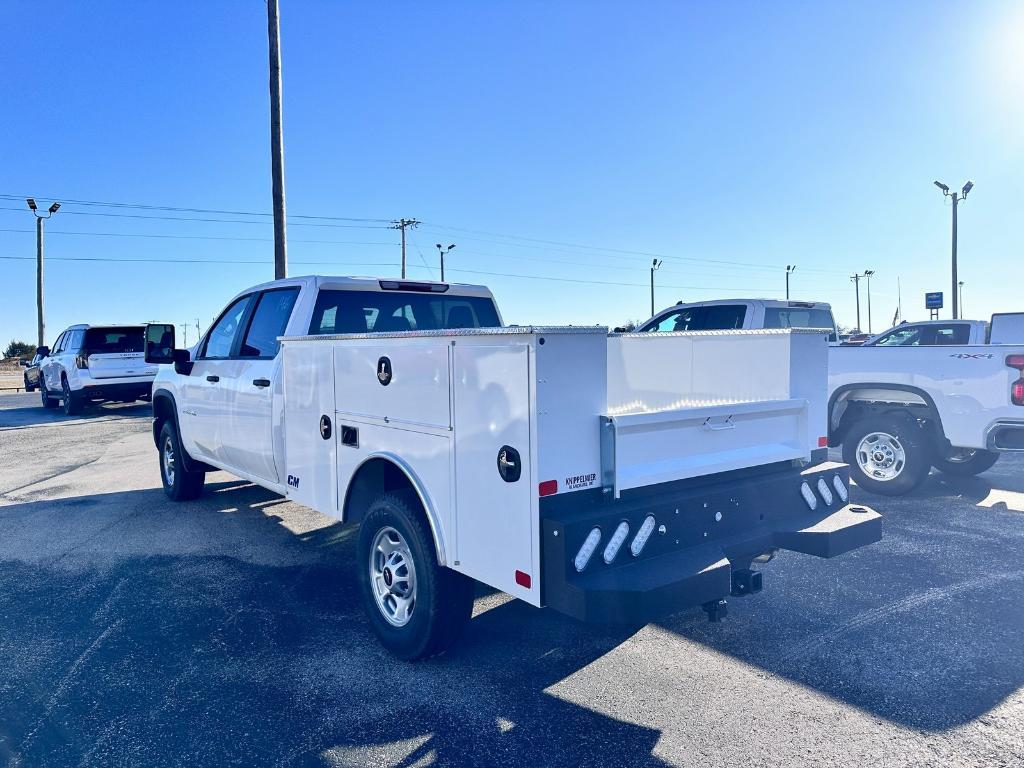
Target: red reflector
{"points": [[523, 579], [823, 442], [548, 487], [1015, 361], [1017, 392]]}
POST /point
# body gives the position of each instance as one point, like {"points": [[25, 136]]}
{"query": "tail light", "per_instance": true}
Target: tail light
{"points": [[82, 361], [1017, 388]]}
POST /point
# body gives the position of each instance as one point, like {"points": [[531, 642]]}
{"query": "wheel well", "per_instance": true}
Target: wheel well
{"points": [[378, 475], [856, 410], [163, 409]]}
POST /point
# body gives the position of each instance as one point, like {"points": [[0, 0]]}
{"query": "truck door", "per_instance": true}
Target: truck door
{"points": [[205, 409], [248, 441]]}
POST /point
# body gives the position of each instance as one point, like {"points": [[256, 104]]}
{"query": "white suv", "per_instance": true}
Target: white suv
{"points": [[91, 363]]}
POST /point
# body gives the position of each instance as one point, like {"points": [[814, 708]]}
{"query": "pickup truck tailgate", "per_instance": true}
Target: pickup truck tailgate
{"points": [[643, 449]]}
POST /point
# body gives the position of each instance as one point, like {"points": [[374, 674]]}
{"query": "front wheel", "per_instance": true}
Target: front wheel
{"points": [[965, 462], [887, 455], [416, 607], [180, 483]]}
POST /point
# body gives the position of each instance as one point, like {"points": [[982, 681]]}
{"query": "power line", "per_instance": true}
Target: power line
{"points": [[196, 218], [143, 206], [203, 237]]}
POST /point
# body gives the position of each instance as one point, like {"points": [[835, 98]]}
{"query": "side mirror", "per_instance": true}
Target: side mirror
{"points": [[160, 343], [43, 351]]}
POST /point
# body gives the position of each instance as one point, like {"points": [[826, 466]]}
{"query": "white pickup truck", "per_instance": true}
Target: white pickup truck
{"points": [[610, 477], [898, 411]]}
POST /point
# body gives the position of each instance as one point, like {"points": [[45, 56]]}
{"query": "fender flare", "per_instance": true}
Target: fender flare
{"points": [[429, 510], [929, 402], [165, 394]]}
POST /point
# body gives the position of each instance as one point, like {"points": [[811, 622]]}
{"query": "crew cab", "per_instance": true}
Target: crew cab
{"points": [[546, 462], [897, 411], [92, 363], [742, 314]]}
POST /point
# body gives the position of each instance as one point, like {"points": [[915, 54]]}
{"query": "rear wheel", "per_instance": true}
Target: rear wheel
{"points": [[72, 403], [964, 462], [887, 455], [416, 607], [44, 394], [180, 483]]}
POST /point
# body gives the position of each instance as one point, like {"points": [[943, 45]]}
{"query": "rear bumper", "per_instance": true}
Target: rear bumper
{"points": [[115, 390], [712, 531]]}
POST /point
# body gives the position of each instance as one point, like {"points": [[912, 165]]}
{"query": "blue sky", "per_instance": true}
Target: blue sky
{"points": [[730, 138]]}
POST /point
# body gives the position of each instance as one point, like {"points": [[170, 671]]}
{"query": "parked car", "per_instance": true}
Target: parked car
{"points": [[897, 411], [545, 462], [742, 314], [31, 373], [94, 363]]}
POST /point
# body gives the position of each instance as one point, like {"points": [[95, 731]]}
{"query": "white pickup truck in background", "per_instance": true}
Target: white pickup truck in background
{"points": [[1003, 328], [898, 411], [742, 314], [610, 477]]}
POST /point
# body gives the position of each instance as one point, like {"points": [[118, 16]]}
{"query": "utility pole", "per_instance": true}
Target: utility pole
{"points": [[867, 274], [856, 283], [402, 224], [655, 266], [443, 251], [184, 334], [277, 141], [790, 268], [40, 218], [962, 196], [960, 285]]}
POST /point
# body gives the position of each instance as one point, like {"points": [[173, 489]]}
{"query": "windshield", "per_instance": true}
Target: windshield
{"points": [[800, 317], [102, 340], [341, 311]]}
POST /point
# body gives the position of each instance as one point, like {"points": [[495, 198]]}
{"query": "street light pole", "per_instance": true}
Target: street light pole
{"points": [[856, 282], [867, 274], [443, 251], [790, 268], [655, 265], [40, 218], [960, 285], [956, 199]]}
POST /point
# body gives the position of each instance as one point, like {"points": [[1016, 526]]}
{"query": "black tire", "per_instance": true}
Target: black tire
{"points": [[72, 402], [906, 437], [443, 598], [180, 484], [28, 387], [44, 394], [963, 462]]}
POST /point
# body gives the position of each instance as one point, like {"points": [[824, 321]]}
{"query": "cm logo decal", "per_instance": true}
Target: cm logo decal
{"points": [[293, 481]]}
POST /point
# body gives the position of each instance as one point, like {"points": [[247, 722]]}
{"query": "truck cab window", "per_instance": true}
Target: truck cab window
{"points": [[722, 317], [222, 336], [345, 311], [903, 337], [268, 322], [680, 320]]}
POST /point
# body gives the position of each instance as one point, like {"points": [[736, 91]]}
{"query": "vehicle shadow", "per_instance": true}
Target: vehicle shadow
{"points": [[29, 415], [229, 630]]}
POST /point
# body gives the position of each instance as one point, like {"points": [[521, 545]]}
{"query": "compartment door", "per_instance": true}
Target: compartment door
{"points": [[495, 529]]}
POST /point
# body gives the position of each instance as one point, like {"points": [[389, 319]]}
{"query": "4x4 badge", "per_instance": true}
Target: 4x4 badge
{"points": [[384, 371]]}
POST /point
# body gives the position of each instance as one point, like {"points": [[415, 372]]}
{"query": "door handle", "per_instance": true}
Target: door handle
{"points": [[214, 379], [261, 383]]}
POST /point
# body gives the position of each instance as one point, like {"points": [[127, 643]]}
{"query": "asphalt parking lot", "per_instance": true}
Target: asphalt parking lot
{"points": [[227, 631]]}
